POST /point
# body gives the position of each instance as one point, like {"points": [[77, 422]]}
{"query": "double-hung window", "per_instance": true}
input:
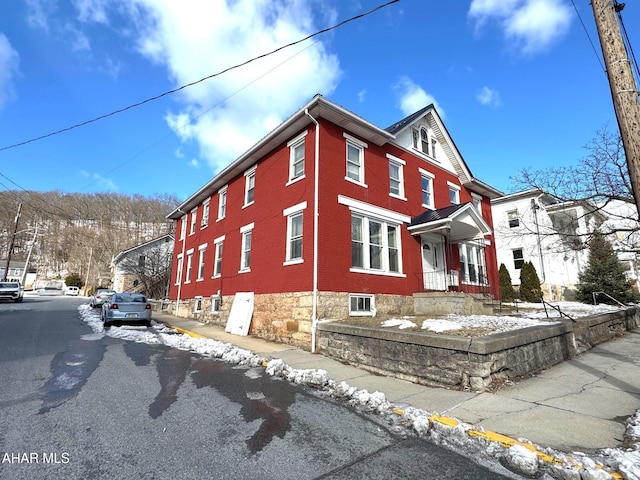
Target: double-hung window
{"points": [[513, 219], [194, 216], [426, 180], [201, 255], [518, 258], [296, 157], [187, 277], [179, 270], [183, 227], [355, 159], [217, 261], [249, 186], [396, 177], [245, 254], [205, 213], [472, 263], [454, 194], [477, 203], [222, 202], [294, 233]]}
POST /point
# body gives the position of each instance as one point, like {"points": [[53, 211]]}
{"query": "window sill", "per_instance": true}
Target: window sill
{"points": [[248, 204], [200, 279], [430, 207], [393, 195], [294, 180], [293, 262], [377, 272], [246, 270], [220, 219], [362, 314], [349, 179], [217, 276]]}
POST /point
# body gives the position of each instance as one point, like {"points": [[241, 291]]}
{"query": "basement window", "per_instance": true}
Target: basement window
{"points": [[361, 305], [198, 305]]}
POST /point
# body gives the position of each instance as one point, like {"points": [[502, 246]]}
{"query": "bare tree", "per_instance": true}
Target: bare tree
{"points": [[150, 271], [600, 178]]}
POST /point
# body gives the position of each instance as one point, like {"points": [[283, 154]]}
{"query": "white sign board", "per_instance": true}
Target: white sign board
{"points": [[241, 312]]}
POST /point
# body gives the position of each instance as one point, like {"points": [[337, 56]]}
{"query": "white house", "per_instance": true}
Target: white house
{"points": [[533, 226], [137, 268]]}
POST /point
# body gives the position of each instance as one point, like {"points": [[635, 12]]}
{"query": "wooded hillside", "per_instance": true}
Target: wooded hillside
{"points": [[73, 232]]}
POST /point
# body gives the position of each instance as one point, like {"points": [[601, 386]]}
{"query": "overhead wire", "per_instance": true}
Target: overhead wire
{"points": [[182, 87]]}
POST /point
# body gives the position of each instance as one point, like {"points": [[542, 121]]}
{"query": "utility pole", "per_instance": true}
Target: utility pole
{"points": [[624, 90], [13, 239]]}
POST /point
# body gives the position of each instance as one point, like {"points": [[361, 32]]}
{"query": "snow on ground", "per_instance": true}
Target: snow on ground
{"points": [[523, 457], [522, 315]]}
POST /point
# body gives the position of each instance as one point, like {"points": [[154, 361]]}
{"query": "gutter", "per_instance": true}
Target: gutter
{"points": [[314, 308]]}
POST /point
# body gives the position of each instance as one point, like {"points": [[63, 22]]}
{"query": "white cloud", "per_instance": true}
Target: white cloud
{"points": [[412, 97], [9, 61], [531, 25], [104, 183], [362, 94], [228, 113], [39, 12], [489, 97]]}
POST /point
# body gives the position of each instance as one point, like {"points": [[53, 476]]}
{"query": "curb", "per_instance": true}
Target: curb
{"points": [[494, 437]]}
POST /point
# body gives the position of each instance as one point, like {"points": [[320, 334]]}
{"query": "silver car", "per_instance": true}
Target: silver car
{"points": [[100, 296], [130, 308]]}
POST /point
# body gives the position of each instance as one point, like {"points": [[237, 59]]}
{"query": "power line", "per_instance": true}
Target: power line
{"points": [[175, 90], [588, 36]]}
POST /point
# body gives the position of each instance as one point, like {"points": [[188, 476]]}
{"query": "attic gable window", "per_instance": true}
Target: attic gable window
{"points": [[424, 141]]}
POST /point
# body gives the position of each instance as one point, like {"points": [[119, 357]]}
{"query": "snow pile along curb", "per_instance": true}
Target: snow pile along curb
{"points": [[519, 456]]}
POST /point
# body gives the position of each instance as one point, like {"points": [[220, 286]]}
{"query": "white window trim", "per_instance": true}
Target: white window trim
{"points": [[464, 275], [291, 145], [201, 252], [370, 313], [363, 146], [431, 177], [221, 192], [193, 220], [385, 249], [189, 269], [288, 213], [216, 299], [373, 211], [400, 163], [183, 227], [179, 268], [197, 303], [251, 173], [456, 188], [216, 243], [243, 231], [206, 213], [475, 197]]}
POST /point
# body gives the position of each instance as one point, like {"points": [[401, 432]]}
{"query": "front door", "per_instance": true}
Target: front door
{"points": [[433, 264]]}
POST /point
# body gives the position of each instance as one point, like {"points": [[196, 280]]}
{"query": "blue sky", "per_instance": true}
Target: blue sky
{"points": [[518, 82]]}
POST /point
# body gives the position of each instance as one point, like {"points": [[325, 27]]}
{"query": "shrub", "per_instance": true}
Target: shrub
{"points": [[530, 290], [507, 294]]}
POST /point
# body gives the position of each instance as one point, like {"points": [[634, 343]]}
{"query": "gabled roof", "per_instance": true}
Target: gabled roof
{"points": [[164, 238], [459, 222]]}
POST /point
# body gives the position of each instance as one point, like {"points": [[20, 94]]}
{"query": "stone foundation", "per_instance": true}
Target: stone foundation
{"points": [[287, 317]]}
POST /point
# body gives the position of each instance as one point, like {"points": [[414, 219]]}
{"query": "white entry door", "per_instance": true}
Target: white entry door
{"points": [[433, 264]]}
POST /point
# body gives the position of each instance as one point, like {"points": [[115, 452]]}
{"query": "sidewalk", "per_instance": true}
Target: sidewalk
{"points": [[580, 405]]}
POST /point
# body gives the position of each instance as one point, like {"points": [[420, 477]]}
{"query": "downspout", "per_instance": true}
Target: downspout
{"points": [[316, 162], [184, 241]]}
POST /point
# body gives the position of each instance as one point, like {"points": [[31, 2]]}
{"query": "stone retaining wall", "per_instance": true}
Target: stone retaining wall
{"points": [[475, 363]]}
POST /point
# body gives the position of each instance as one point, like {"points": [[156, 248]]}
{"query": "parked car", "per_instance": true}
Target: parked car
{"points": [[100, 296], [72, 290], [130, 308], [11, 291]]}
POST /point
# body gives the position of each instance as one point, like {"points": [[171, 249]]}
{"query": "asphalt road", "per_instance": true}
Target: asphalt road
{"points": [[78, 404]]}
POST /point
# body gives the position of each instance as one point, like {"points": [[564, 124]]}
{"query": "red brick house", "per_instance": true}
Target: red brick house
{"points": [[330, 216]]}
